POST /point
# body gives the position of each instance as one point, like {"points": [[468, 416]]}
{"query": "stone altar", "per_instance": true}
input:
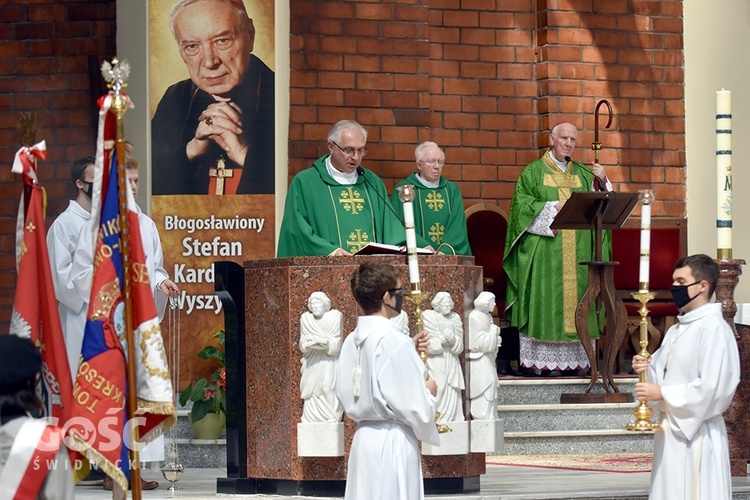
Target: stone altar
{"points": [[264, 458]]}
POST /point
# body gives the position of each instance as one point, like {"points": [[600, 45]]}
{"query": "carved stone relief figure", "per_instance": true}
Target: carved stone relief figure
{"points": [[320, 342], [446, 333], [484, 340]]}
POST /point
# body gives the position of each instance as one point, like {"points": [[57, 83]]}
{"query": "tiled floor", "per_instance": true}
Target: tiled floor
{"points": [[500, 483]]}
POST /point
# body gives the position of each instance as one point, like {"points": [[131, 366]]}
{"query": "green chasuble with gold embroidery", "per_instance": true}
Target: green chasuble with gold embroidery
{"points": [[321, 215], [438, 214], [545, 279]]}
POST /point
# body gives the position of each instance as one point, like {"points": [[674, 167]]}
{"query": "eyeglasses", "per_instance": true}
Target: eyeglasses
{"points": [[433, 162], [396, 291], [349, 152]]}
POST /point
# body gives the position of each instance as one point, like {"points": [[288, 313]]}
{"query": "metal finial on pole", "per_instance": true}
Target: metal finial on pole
{"points": [[116, 75]]}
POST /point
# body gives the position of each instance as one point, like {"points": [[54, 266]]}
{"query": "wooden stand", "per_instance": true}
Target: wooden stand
{"points": [[598, 211]]}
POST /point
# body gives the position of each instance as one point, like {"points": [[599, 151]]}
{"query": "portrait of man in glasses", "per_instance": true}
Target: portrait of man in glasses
{"points": [[214, 132], [336, 207]]}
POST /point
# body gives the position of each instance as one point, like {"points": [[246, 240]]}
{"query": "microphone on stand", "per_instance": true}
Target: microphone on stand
{"points": [[598, 184], [361, 172]]}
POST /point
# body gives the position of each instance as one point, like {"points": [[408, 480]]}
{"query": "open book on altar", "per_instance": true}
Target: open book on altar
{"points": [[385, 249]]}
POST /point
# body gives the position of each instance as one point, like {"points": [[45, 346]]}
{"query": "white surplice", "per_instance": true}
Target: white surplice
{"points": [[394, 409], [154, 260], [81, 274], [72, 288], [698, 369]]}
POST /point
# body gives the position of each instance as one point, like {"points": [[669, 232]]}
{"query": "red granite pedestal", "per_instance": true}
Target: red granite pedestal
{"points": [[276, 291], [736, 415]]}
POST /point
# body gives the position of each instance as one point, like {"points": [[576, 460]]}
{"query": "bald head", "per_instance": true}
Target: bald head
{"points": [[562, 140]]}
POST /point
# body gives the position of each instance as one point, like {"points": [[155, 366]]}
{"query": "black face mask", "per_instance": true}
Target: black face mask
{"points": [[399, 294], [89, 188], [680, 294]]}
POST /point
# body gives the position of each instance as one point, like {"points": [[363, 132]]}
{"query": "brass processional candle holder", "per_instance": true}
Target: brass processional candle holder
{"points": [[415, 295], [643, 411]]}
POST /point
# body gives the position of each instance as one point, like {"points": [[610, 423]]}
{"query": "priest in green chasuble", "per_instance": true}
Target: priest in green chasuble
{"points": [[545, 278], [438, 206], [331, 209]]}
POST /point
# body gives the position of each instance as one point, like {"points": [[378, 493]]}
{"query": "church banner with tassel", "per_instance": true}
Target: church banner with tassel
{"points": [[35, 313], [100, 391]]}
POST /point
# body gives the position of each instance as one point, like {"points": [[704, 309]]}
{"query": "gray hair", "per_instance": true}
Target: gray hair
{"points": [[419, 151], [181, 4], [340, 127]]}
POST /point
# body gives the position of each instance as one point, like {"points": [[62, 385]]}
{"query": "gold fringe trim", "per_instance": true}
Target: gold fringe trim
{"points": [[108, 467], [157, 409]]}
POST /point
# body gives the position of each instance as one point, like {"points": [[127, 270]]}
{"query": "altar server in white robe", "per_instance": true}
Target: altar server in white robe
{"points": [[692, 379], [71, 287], [161, 286], [383, 386]]}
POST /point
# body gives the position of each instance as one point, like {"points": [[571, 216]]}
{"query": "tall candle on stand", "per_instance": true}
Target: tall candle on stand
{"points": [[646, 197], [406, 195], [724, 174]]}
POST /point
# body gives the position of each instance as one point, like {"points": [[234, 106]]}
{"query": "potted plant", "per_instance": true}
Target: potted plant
{"points": [[208, 415]]}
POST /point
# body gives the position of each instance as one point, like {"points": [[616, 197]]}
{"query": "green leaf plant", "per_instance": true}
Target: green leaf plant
{"points": [[208, 396]]}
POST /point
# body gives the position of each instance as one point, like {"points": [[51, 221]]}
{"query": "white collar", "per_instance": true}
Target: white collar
{"points": [[562, 165], [340, 177], [427, 183]]}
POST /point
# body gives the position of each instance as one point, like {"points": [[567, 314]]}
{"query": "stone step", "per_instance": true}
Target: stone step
{"points": [[577, 442], [537, 423], [560, 417], [191, 452], [520, 390]]}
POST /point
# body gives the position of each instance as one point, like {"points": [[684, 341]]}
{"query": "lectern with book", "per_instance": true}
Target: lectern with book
{"points": [[599, 211]]}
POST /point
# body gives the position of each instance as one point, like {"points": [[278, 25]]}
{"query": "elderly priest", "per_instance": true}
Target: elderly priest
{"points": [[438, 206], [336, 207]]}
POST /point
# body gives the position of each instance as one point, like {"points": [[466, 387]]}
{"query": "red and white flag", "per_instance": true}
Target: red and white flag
{"points": [[101, 382], [35, 313]]}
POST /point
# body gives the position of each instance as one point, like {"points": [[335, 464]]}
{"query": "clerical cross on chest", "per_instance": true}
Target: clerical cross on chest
{"points": [[220, 172], [563, 182], [352, 201], [435, 201], [436, 232], [357, 239]]}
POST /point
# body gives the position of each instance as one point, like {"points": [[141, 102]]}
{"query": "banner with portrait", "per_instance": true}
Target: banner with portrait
{"points": [[212, 147]]}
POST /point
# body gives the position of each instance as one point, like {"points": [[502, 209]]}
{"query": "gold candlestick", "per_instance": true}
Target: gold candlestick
{"points": [[643, 412], [416, 296]]}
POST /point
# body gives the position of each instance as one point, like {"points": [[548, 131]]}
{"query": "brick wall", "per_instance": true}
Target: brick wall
{"points": [[483, 78], [486, 79], [49, 57]]}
